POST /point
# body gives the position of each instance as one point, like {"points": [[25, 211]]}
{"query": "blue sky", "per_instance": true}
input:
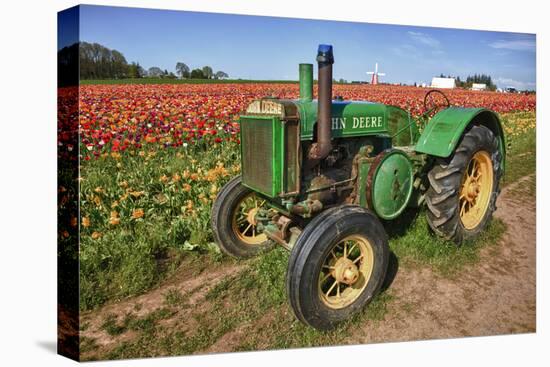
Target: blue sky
{"points": [[255, 47]]}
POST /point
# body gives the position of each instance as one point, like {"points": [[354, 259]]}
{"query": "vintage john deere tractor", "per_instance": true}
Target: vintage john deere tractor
{"points": [[320, 176]]}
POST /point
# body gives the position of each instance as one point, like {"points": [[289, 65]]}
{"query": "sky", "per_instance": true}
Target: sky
{"points": [[254, 47]]}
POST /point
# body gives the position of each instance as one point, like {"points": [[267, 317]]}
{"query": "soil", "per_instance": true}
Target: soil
{"points": [[190, 286], [496, 295]]}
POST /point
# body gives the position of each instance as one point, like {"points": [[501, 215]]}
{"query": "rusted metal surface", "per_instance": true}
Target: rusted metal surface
{"points": [[320, 189], [323, 146], [370, 176], [279, 231], [306, 208]]}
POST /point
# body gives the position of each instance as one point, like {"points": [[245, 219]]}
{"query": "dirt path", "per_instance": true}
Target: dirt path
{"points": [[496, 295], [186, 285]]}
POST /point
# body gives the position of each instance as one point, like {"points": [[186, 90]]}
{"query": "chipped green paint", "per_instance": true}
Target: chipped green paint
{"points": [[392, 184], [444, 130]]}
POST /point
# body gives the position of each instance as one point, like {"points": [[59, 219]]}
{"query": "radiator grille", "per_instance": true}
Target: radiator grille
{"points": [[292, 177], [257, 154]]}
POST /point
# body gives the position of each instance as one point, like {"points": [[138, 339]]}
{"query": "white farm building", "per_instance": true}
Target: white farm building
{"points": [[479, 86], [443, 83]]}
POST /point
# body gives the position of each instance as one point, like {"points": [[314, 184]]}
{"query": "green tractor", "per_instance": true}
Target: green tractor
{"points": [[320, 176]]}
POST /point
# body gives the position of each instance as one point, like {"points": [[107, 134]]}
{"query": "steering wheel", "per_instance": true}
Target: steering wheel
{"points": [[435, 100]]}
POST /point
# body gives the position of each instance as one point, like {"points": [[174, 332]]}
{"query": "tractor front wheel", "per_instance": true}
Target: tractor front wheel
{"points": [[464, 188], [337, 266], [233, 220]]}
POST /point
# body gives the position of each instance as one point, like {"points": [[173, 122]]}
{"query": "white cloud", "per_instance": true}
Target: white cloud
{"points": [[519, 85], [424, 39], [515, 45], [406, 51]]}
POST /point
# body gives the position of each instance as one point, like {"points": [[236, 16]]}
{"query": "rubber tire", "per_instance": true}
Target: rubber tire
{"points": [[442, 198], [224, 205], [310, 250]]}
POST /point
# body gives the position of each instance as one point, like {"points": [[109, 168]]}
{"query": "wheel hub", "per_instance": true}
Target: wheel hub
{"points": [[476, 191], [473, 189], [345, 271], [244, 223]]}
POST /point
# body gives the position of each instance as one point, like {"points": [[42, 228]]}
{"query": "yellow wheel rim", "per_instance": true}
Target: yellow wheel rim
{"points": [[476, 190], [346, 271], [243, 222]]}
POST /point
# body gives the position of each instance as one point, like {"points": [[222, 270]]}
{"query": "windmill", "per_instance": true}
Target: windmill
{"points": [[375, 74]]}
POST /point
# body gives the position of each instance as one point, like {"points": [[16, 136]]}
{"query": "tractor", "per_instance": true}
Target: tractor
{"points": [[319, 177]]}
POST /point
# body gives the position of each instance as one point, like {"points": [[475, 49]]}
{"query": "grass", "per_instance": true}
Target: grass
{"points": [[136, 254], [173, 297], [114, 327], [145, 210], [419, 247], [180, 81], [522, 146], [111, 326], [252, 300], [143, 213], [527, 189], [186, 81]]}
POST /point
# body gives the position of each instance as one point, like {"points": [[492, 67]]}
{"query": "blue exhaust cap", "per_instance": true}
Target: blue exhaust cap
{"points": [[324, 54]]}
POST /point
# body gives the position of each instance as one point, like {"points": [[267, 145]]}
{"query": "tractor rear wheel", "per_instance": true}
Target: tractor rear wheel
{"points": [[233, 221], [464, 187], [337, 266]]}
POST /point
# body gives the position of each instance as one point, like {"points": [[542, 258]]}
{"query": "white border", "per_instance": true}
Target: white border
{"points": [[28, 180]]}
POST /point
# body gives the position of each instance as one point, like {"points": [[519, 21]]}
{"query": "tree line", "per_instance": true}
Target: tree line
{"points": [[100, 62], [471, 79]]}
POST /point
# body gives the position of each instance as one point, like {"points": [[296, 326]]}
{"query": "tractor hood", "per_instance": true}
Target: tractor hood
{"points": [[348, 118]]}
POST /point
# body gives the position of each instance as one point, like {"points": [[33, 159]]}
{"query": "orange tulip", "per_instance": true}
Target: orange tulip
{"points": [[137, 213]]}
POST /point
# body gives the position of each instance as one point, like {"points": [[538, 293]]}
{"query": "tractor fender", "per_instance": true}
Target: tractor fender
{"points": [[444, 131]]}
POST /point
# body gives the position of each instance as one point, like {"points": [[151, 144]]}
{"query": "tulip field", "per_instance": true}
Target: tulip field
{"points": [[154, 156], [115, 118]]}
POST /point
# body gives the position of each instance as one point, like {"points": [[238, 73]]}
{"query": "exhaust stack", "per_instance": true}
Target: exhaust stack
{"points": [[306, 82], [323, 146]]}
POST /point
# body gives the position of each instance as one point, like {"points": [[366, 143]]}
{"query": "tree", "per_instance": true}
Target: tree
{"points": [[99, 62], [67, 65], [120, 65], [155, 72], [197, 74], [220, 75], [480, 78], [207, 72], [135, 70], [182, 70], [141, 71]]}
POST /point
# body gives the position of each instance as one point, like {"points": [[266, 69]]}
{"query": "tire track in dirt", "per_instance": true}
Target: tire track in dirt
{"points": [[193, 288], [497, 295]]}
